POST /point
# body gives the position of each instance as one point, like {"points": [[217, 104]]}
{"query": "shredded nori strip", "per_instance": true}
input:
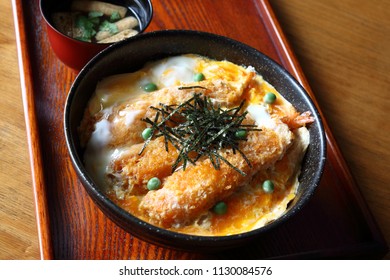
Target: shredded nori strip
{"points": [[198, 128]]}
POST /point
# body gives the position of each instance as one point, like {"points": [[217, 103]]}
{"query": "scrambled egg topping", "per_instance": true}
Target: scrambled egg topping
{"points": [[184, 201]]}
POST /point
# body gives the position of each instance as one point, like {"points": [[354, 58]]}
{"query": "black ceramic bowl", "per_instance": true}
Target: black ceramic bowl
{"points": [[130, 56]]}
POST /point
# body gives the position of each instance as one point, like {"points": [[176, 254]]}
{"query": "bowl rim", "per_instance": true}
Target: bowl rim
{"points": [[48, 23], [162, 234]]}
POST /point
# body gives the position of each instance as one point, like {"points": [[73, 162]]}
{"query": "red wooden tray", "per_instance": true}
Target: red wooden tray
{"points": [[335, 224]]}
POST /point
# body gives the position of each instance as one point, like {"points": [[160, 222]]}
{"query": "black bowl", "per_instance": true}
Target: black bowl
{"points": [[130, 56]]}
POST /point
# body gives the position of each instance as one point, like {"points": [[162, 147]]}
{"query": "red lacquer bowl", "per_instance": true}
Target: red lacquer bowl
{"points": [[75, 53]]}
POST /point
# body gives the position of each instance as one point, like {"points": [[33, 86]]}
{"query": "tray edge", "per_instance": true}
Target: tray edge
{"points": [[34, 148]]}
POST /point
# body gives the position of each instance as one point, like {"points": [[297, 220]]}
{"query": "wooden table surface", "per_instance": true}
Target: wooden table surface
{"points": [[344, 50]]}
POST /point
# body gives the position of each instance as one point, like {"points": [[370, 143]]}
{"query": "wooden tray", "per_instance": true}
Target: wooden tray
{"points": [[335, 224]]}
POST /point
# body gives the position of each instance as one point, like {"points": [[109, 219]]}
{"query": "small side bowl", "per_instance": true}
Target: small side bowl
{"points": [[75, 53], [130, 56]]}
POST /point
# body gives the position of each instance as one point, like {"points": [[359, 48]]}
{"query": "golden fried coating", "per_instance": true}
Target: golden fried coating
{"points": [[187, 194], [126, 123], [132, 170]]}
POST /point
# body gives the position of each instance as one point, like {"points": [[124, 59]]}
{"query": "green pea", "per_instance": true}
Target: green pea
{"points": [[220, 208], [269, 98], [147, 133], [150, 87], [241, 134], [268, 186], [153, 184], [199, 77]]}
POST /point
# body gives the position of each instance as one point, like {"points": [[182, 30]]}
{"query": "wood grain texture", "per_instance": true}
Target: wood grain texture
{"points": [[78, 230], [344, 50]]}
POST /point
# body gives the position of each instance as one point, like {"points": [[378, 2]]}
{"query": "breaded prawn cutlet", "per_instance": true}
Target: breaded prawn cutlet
{"points": [[186, 194]]}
